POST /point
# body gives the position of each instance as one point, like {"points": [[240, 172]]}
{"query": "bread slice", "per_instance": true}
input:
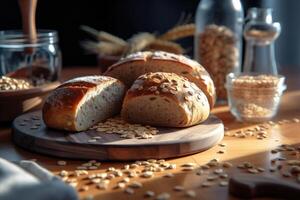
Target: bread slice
{"points": [[81, 102], [129, 68], [165, 99]]}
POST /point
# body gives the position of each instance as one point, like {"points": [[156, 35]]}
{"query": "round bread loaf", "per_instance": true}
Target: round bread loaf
{"points": [[165, 99], [81, 102], [129, 68]]}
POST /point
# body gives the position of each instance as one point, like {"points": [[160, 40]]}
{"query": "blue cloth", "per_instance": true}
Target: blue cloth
{"points": [[28, 180]]}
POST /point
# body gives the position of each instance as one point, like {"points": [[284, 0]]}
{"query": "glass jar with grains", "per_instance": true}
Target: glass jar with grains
{"points": [[218, 39], [254, 95], [24, 64]]}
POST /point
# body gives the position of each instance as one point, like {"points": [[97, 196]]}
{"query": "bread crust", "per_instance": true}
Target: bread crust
{"points": [[191, 102], [59, 110], [157, 62]]}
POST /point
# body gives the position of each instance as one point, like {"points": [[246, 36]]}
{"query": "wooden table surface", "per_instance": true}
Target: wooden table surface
{"points": [[236, 151]]}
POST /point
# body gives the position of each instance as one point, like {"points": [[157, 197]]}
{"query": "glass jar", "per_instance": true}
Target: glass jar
{"points": [[39, 62], [218, 39], [260, 33], [254, 97]]}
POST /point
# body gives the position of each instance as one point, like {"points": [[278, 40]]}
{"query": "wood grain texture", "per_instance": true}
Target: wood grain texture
{"points": [[170, 142]]}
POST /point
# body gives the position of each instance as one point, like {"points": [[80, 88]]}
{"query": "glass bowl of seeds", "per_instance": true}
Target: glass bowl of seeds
{"points": [[254, 97]]}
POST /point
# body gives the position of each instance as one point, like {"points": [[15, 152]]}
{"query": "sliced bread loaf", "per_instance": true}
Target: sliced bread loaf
{"points": [[165, 99], [129, 68], [81, 102]]}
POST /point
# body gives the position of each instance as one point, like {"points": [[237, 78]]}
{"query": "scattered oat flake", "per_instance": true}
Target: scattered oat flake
{"points": [[178, 188], [149, 194], [188, 169], [61, 163], [129, 191], [206, 184], [188, 165], [190, 193], [136, 184], [223, 183], [163, 196]]}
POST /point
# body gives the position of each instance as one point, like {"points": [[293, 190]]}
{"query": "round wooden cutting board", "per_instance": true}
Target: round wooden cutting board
{"points": [[30, 132]]}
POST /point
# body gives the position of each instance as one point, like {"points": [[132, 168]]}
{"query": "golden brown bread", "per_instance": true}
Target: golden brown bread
{"points": [[165, 99], [79, 103], [131, 67]]}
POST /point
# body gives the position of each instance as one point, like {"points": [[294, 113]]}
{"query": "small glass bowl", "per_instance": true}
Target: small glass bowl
{"points": [[254, 99]]}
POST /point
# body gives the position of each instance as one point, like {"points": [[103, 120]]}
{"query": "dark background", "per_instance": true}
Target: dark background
{"points": [[126, 17]]}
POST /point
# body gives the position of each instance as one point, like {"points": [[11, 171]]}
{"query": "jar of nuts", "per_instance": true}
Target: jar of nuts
{"points": [[218, 39], [254, 97]]}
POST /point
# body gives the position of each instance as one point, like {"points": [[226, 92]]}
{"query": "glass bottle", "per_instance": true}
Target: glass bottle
{"points": [[40, 61], [218, 39], [260, 33]]}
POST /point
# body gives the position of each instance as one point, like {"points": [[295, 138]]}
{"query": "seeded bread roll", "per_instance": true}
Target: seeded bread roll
{"points": [[128, 69], [165, 99], [81, 102]]}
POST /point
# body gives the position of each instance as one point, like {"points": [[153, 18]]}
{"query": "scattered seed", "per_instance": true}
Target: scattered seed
{"points": [[221, 152], [120, 185], [63, 173], [206, 184], [61, 163], [110, 176], [163, 196], [224, 176], [218, 171], [149, 194], [136, 184], [223, 183], [190, 193], [188, 169], [96, 180], [125, 180], [178, 188], [172, 166], [227, 164], [147, 174], [129, 191], [296, 120], [102, 186], [189, 165], [126, 167], [169, 175], [211, 178], [260, 169], [92, 167], [73, 184], [252, 170], [222, 145]]}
